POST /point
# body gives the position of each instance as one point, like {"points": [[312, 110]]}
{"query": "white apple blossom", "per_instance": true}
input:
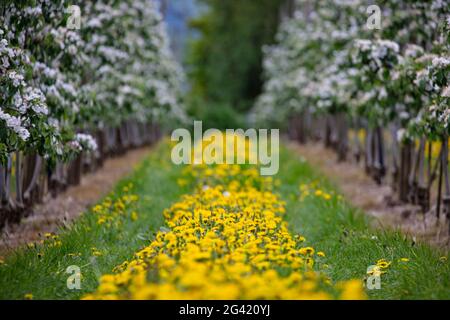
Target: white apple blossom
{"points": [[57, 81]]}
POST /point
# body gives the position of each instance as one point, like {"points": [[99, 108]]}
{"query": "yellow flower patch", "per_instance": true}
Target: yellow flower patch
{"points": [[223, 244], [110, 212], [227, 240]]}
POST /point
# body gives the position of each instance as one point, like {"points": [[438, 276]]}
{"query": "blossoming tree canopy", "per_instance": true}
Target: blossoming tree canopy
{"points": [[58, 80], [330, 66], [327, 60], [73, 93]]}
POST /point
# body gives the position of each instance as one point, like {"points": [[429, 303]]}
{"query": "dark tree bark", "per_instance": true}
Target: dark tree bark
{"points": [[342, 136], [74, 171], [439, 196], [406, 155]]}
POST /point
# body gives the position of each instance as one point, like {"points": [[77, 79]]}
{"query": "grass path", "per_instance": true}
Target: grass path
{"points": [[40, 271], [314, 210], [351, 245]]}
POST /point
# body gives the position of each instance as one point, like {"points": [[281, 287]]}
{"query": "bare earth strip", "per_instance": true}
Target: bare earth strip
{"points": [[377, 201], [69, 205]]}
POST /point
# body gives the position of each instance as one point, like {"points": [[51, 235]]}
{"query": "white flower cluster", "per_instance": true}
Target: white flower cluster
{"points": [[87, 141], [440, 62], [15, 124], [57, 81], [20, 102], [376, 56], [413, 51], [326, 61]]}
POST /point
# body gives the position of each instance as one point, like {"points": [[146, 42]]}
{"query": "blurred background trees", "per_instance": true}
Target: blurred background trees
{"points": [[224, 57]]}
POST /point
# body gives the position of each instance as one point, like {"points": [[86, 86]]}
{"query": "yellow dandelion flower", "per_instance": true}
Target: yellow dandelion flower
{"points": [[95, 252], [353, 290], [97, 209], [227, 240], [383, 263], [28, 296], [306, 251]]}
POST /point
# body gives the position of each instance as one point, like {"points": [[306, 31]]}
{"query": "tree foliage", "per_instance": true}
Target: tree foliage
{"points": [[57, 81], [226, 59], [328, 61]]}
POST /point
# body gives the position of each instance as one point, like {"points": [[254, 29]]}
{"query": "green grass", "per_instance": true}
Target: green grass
{"points": [[351, 245], [331, 226], [155, 182]]}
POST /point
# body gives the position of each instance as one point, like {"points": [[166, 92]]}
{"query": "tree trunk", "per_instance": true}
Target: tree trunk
{"points": [[358, 149], [74, 171], [446, 178], [328, 132], [342, 137], [423, 198], [31, 173], [8, 208], [379, 164], [101, 145], [19, 179], [406, 155], [369, 154]]}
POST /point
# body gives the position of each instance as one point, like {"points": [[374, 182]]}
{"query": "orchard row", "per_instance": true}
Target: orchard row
{"points": [[92, 76], [332, 73]]}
